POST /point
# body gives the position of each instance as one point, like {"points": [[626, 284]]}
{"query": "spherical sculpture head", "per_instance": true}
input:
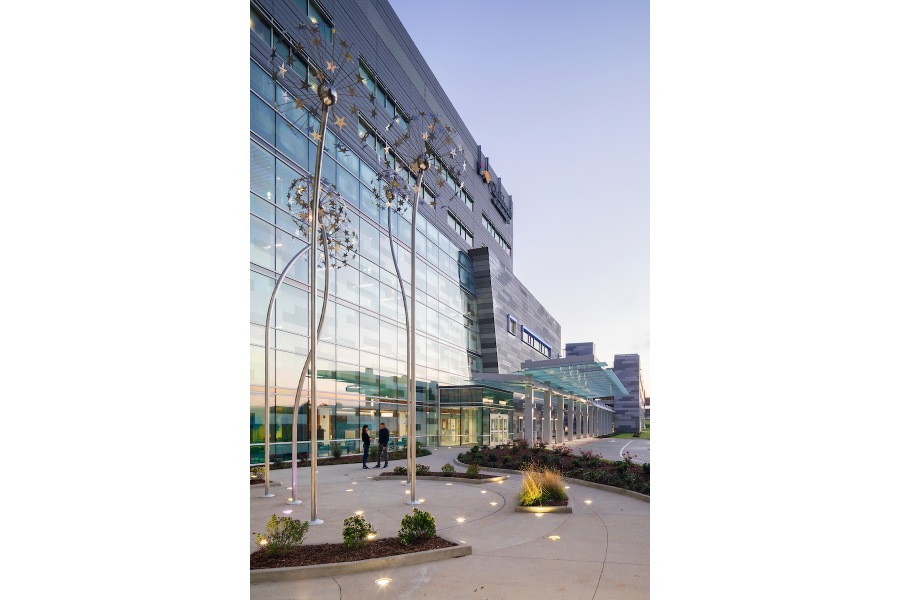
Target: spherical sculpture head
{"points": [[327, 95], [422, 163]]}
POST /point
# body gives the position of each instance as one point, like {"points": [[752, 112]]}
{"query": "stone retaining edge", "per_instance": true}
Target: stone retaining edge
{"points": [[359, 566], [599, 486], [436, 478], [544, 509]]}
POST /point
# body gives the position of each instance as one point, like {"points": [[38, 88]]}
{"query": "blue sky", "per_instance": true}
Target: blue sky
{"points": [[561, 90]]}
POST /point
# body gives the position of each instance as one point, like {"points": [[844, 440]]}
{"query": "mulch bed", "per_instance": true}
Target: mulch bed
{"points": [[320, 554]]}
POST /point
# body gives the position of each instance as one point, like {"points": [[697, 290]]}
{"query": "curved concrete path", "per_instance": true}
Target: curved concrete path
{"points": [[603, 550]]}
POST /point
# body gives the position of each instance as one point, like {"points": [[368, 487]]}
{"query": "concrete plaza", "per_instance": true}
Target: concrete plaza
{"points": [[603, 550]]}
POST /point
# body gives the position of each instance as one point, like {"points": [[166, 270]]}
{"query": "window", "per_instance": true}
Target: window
{"points": [[316, 16], [535, 342], [383, 98], [496, 234], [459, 228], [511, 324], [259, 26]]}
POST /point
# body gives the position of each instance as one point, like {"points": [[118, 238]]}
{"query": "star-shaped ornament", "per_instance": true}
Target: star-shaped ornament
{"points": [[352, 92], [425, 136], [316, 136], [340, 122], [282, 70], [331, 67], [298, 103]]}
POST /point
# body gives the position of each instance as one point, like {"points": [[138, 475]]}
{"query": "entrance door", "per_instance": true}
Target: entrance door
{"points": [[499, 429]]}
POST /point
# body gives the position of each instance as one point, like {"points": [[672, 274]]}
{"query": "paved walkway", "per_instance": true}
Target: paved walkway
{"points": [[603, 550]]}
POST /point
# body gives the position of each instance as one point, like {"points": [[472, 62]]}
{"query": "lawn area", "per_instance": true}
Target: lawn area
{"points": [[645, 435]]}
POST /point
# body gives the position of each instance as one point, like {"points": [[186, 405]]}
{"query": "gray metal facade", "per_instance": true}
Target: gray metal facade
{"points": [[500, 295], [629, 409]]}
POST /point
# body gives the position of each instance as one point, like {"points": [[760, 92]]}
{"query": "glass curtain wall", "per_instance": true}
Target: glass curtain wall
{"points": [[362, 351]]}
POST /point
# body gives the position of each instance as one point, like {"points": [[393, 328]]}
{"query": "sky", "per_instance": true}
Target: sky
{"points": [[560, 90]]}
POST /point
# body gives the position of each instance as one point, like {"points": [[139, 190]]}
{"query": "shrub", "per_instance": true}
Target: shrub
{"points": [[420, 451], [645, 489], [462, 457], [257, 472], [621, 467], [282, 534], [356, 531], [336, 449], [277, 461], [646, 468], [505, 461], [475, 449], [417, 526], [493, 457], [531, 488], [448, 469], [540, 487], [398, 470], [472, 470], [478, 459], [422, 469]]}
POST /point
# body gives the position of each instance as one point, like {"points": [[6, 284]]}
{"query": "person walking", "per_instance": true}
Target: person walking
{"points": [[367, 441], [383, 437]]}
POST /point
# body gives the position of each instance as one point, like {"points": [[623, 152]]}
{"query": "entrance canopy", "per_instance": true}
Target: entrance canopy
{"points": [[581, 376]]}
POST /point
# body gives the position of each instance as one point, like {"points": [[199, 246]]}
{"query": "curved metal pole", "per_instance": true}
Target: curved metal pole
{"points": [[313, 235], [266, 360], [294, 499], [409, 467], [411, 349]]}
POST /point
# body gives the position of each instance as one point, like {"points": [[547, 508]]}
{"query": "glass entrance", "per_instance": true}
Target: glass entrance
{"points": [[499, 428]]}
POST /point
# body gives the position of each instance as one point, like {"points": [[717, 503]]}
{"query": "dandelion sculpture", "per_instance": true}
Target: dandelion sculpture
{"points": [[314, 73], [409, 154]]}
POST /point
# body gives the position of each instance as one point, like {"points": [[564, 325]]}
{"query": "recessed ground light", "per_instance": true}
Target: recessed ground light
{"points": [[350, 490], [567, 487], [588, 501], [371, 536], [553, 537], [368, 477], [405, 491], [287, 512], [460, 519], [462, 541], [383, 581], [484, 491], [493, 504], [421, 499], [359, 512], [449, 484], [538, 515], [290, 499]]}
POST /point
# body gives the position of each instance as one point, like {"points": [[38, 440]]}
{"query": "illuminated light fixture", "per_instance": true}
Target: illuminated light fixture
{"points": [[493, 504], [290, 488], [421, 499], [462, 541], [567, 487], [449, 484], [405, 491], [553, 537], [588, 501], [383, 581], [290, 499], [350, 490], [263, 542], [359, 512], [539, 515], [484, 491], [460, 519], [371, 536], [368, 477], [287, 512]]}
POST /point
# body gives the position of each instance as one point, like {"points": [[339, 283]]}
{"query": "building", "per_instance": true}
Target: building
{"points": [[629, 407], [474, 318]]}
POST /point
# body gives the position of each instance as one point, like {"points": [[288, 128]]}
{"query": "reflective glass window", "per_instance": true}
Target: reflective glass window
{"points": [[262, 119]]}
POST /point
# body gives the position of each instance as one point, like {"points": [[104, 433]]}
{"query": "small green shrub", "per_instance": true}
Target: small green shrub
{"points": [[462, 457], [417, 526], [356, 531], [646, 468], [493, 457], [282, 534], [448, 469], [472, 470], [257, 472], [422, 469], [373, 453], [645, 489], [505, 461], [277, 461], [398, 470], [336, 449], [621, 467], [475, 449]]}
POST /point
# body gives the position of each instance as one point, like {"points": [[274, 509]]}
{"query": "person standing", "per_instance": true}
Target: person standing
{"points": [[383, 437], [367, 441]]}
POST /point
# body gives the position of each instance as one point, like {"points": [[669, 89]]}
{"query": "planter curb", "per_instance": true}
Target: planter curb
{"points": [[358, 566], [442, 478]]}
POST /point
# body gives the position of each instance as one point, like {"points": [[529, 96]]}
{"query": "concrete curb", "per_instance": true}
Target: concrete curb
{"points": [[599, 486], [447, 479], [544, 509], [358, 566]]}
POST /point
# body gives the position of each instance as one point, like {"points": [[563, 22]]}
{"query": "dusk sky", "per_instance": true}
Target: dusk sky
{"points": [[557, 94]]}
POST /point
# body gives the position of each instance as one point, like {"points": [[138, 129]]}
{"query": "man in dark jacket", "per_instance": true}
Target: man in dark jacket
{"points": [[383, 437], [367, 441]]}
